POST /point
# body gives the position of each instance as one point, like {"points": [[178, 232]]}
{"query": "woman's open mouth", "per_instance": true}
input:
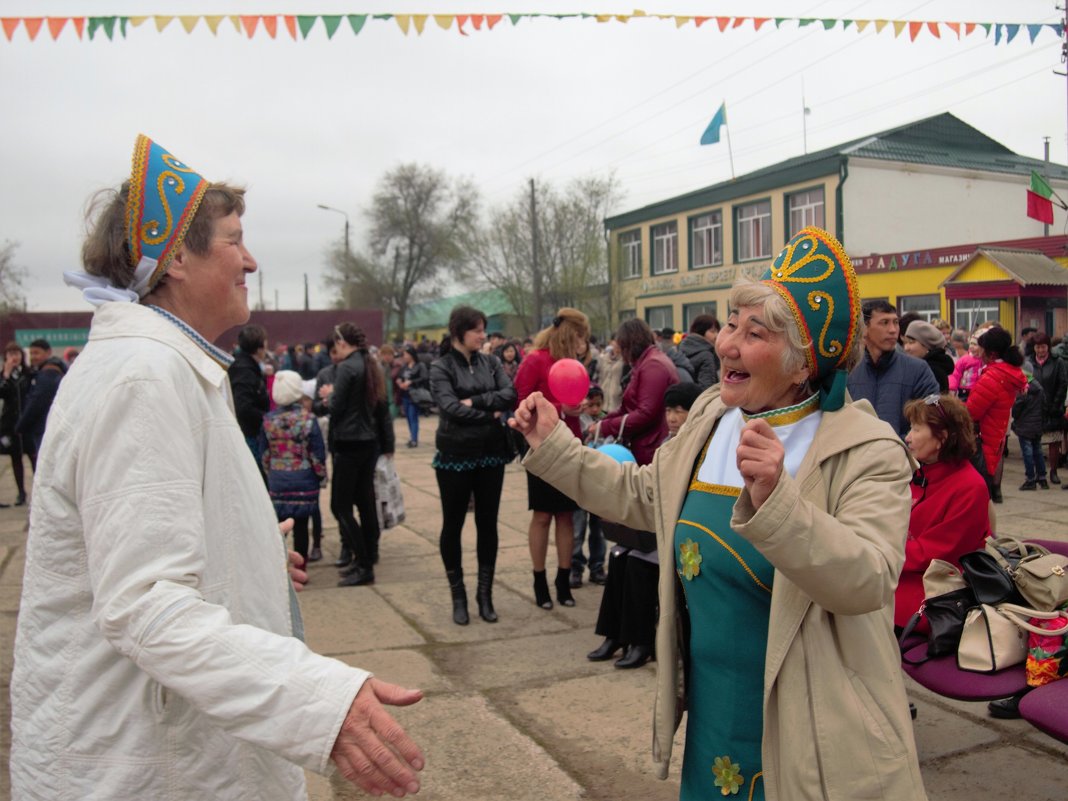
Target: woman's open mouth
{"points": [[734, 376]]}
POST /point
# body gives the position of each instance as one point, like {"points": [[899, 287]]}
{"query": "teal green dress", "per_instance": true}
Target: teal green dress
{"points": [[727, 584]]}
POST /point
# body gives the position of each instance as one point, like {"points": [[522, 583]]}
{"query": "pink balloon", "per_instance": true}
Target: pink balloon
{"points": [[569, 382]]}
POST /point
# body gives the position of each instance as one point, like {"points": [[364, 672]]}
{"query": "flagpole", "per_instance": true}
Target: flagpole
{"points": [[730, 152]]}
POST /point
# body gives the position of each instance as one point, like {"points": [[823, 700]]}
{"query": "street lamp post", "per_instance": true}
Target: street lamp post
{"points": [[348, 252]]}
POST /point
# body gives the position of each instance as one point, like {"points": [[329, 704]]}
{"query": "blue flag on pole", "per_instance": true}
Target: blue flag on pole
{"points": [[711, 134]]}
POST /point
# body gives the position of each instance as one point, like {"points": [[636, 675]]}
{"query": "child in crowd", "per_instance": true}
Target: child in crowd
{"points": [[307, 402], [592, 411], [678, 399], [1027, 425]]}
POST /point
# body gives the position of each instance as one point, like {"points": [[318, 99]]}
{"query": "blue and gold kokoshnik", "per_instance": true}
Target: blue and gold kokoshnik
{"points": [[164, 196]]}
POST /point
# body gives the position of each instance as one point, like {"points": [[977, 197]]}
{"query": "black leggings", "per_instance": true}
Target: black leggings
{"points": [[455, 488], [17, 467], [354, 474]]}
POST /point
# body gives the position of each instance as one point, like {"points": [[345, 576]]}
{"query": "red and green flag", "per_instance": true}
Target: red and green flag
{"points": [[1039, 205]]}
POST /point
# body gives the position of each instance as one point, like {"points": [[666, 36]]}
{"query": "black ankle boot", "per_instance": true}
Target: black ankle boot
{"points": [[541, 590], [484, 594], [563, 586], [459, 597]]}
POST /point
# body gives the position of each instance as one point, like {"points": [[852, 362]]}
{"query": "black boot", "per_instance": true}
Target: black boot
{"points": [[345, 559], [635, 657], [484, 594], [459, 597], [563, 586], [541, 590]]}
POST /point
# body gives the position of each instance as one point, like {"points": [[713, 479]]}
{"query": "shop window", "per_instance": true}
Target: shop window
{"points": [[969, 313], [927, 306]]}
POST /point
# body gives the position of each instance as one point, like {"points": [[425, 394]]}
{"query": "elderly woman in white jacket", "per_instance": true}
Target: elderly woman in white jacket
{"points": [[781, 511], [158, 651]]}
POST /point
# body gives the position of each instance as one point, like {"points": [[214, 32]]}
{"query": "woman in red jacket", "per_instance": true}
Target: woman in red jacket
{"points": [[567, 338], [991, 399], [950, 504]]}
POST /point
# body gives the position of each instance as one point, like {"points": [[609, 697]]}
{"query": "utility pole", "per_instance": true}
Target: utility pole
{"points": [[534, 258], [1045, 146], [306, 307], [1064, 54]]}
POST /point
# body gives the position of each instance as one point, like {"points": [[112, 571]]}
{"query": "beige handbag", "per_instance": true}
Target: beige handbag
{"points": [[1043, 581], [995, 637]]}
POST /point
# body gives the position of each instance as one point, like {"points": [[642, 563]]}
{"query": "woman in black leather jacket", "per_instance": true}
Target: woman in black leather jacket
{"points": [[472, 393], [13, 390], [360, 429]]}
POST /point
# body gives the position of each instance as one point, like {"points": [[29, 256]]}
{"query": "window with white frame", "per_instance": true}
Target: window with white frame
{"points": [[754, 230], [927, 306], [630, 254], [707, 239], [665, 247], [967, 314], [660, 317], [805, 209]]}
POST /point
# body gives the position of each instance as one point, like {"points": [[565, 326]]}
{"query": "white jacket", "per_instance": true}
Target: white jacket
{"points": [[154, 656]]}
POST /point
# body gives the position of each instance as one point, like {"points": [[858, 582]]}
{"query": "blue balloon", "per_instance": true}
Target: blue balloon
{"points": [[618, 452]]}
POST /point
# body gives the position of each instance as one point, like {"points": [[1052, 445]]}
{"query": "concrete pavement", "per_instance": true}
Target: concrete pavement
{"points": [[514, 710]]}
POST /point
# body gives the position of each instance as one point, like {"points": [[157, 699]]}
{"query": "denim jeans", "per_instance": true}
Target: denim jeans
{"points": [[596, 538], [1033, 458], [411, 412]]}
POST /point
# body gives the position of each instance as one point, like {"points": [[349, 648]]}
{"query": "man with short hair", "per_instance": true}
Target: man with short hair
{"points": [[665, 341], [47, 372], [885, 376], [249, 385], [699, 346]]}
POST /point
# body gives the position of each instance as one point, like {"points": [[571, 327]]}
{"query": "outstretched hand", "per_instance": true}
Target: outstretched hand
{"points": [[535, 418], [373, 750], [760, 458]]}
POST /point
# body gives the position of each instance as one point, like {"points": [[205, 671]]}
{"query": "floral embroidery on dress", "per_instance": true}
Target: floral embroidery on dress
{"points": [[690, 556], [728, 775]]}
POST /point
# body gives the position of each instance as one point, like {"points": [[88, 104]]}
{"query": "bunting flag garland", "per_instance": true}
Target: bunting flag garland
{"points": [[299, 26]]}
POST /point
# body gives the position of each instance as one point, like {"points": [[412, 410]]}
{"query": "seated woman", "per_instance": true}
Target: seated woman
{"points": [[950, 503], [781, 512]]}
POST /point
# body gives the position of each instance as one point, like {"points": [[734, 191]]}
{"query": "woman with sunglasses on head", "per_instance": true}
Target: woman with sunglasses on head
{"points": [[950, 505]]}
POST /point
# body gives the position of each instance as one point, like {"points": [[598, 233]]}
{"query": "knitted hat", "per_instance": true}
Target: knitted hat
{"points": [[814, 276], [288, 387], [163, 199], [926, 334]]}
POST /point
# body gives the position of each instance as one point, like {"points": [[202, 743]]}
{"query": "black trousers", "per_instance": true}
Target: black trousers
{"points": [[629, 605], [354, 474], [456, 488]]}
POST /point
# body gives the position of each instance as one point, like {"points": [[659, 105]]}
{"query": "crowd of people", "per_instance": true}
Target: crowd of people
{"points": [[775, 486]]}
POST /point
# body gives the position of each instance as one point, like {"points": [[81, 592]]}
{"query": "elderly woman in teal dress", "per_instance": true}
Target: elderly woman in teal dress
{"points": [[785, 508]]}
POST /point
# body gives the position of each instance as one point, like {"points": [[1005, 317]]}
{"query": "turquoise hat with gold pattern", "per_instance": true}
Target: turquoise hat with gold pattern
{"points": [[164, 196], [815, 277]]}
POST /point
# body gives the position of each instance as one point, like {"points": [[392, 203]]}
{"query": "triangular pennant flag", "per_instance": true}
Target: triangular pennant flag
{"points": [[624, 18], [723, 22], [357, 22], [461, 20], [805, 21], [270, 24], [846, 23], [109, 27], [680, 21], [515, 18], [953, 26], [1011, 30], [899, 26], [250, 21], [122, 25], [403, 20], [331, 21], [79, 25], [739, 22], [55, 25], [33, 26], [476, 20], [879, 25], [419, 21], [914, 30], [968, 28], [1057, 28], [212, 21], [94, 24], [699, 21], [189, 22], [162, 22], [444, 21], [828, 23], [291, 25], [933, 28], [137, 22], [862, 24], [758, 21], [493, 19], [306, 22], [985, 26], [1032, 31], [603, 17], [9, 24], [779, 21], [235, 21], [997, 34]]}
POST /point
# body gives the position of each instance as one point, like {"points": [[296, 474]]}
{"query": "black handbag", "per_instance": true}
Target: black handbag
{"points": [[421, 397], [991, 583], [945, 614]]}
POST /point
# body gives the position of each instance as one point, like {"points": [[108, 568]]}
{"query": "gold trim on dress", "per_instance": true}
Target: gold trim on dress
{"points": [[729, 550], [714, 489], [791, 414]]}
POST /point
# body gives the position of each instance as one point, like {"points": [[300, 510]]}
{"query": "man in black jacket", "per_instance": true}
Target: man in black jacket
{"points": [[48, 370], [699, 347], [249, 386]]}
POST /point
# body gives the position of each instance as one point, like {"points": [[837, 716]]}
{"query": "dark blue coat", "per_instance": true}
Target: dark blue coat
{"points": [[889, 384]]}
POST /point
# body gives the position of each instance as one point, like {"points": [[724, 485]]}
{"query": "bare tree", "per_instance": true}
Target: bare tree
{"points": [[572, 256], [12, 277]]}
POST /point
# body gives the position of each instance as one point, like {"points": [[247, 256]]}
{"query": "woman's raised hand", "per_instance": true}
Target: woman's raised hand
{"points": [[535, 418], [760, 458]]}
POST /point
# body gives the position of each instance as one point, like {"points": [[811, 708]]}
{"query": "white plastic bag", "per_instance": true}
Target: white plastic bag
{"points": [[389, 500]]}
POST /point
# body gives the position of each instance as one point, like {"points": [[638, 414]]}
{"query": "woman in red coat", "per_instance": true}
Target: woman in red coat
{"points": [[567, 338], [950, 504], [990, 401]]}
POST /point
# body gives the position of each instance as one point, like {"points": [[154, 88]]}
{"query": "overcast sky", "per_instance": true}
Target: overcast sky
{"points": [[319, 121]]}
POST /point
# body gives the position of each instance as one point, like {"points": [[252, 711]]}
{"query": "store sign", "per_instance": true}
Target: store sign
{"points": [[56, 337], [912, 260], [722, 276]]}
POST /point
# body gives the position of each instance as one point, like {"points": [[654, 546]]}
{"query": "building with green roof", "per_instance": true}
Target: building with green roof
{"points": [[430, 319]]}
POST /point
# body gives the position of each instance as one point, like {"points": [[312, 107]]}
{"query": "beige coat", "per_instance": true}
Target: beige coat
{"points": [[836, 719]]}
